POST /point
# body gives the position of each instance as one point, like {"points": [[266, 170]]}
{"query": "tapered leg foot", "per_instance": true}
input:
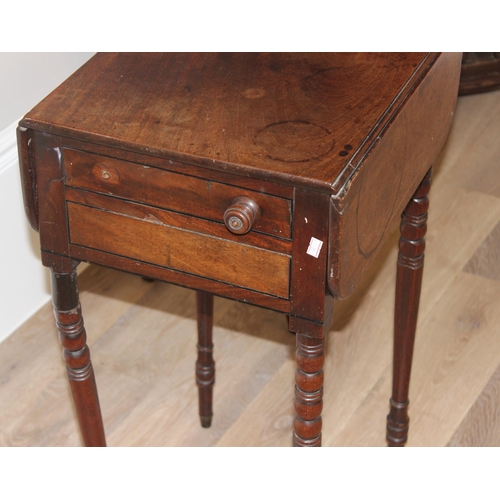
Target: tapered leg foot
{"points": [[206, 422], [76, 354], [408, 286], [310, 357], [205, 366]]}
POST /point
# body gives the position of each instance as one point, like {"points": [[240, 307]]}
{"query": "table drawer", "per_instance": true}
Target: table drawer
{"points": [[171, 190], [179, 242]]}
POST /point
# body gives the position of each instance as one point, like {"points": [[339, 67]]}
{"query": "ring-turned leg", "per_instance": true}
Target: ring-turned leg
{"points": [[205, 366], [310, 357], [408, 285], [76, 354]]}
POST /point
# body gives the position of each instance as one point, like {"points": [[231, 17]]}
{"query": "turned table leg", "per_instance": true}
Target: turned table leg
{"points": [[205, 366], [408, 285], [310, 357], [76, 354]]}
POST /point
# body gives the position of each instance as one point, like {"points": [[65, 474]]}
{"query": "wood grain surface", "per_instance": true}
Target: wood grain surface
{"points": [[180, 249], [177, 192], [142, 334], [290, 116]]}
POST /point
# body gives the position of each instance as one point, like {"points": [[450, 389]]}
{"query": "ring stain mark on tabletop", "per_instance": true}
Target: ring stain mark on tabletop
{"points": [[294, 141]]}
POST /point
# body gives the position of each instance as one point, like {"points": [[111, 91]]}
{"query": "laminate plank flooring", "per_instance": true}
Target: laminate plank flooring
{"points": [[481, 425], [142, 337]]}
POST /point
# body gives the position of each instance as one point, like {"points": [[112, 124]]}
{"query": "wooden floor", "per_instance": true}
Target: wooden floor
{"points": [[142, 339]]}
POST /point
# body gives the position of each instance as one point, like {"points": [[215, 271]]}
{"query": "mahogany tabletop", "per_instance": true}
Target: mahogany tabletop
{"points": [[296, 118]]}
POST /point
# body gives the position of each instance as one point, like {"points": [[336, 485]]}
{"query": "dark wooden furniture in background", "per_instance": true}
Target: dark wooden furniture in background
{"points": [[480, 72], [270, 179]]}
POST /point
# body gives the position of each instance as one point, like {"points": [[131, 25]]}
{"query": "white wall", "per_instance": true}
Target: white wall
{"points": [[25, 79]]}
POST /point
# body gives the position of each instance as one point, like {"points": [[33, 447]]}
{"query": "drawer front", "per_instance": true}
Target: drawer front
{"points": [[172, 242], [172, 191]]}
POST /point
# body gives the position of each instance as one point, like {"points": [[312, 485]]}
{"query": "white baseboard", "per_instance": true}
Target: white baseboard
{"points": [[8, 147], [24, 282]]}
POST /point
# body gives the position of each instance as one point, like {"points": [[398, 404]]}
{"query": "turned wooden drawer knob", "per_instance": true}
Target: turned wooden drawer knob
{"points": [[243, 213]]}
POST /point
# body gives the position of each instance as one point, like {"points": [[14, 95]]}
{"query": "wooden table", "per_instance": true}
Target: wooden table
{"points": [[271, 179]]}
